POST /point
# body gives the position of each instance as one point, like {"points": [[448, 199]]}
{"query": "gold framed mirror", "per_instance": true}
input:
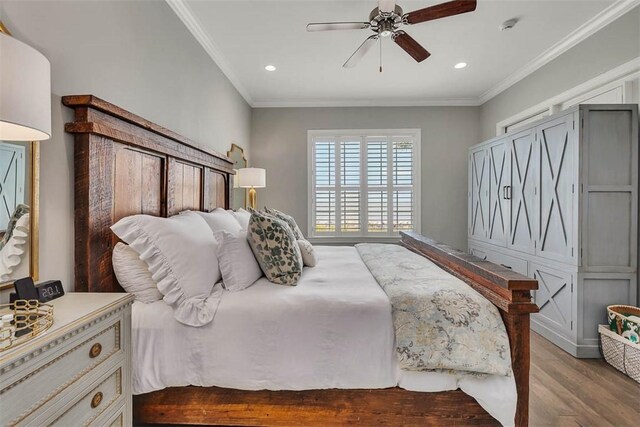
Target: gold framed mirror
{"points": [[236, 154], [19, 211]]}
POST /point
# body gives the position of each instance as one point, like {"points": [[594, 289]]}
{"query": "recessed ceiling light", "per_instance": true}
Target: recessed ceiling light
{"points": [[270, 68], [460, 65]]}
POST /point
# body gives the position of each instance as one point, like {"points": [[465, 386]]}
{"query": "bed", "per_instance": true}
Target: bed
{"points": [[126, 165]]}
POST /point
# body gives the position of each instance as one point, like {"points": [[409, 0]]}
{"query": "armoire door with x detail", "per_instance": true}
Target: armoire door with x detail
{"points": [[498, 226], [556, 177], [478, 194], [520, 195], [554, 297]]}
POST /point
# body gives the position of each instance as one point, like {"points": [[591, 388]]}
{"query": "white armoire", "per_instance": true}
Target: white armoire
{"points": [[558, 201]]}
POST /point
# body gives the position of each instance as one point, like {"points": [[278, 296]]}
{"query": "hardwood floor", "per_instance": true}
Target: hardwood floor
{"points": [[578, 392]]}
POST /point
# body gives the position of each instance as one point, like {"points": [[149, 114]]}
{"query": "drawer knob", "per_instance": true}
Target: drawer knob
{"points": [[95, 351], [96, 400]]}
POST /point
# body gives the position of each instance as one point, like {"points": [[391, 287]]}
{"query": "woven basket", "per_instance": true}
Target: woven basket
{"points": [[620, 321], [620, 353]]}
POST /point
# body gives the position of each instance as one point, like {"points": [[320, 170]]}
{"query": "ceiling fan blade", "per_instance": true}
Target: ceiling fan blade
{"points": [[438, 11], [361, 52], [411, 46], [330, 26], [386, 6]]}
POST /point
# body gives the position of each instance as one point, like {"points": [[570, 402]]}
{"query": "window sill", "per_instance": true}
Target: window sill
{"points": [[343, 240]]}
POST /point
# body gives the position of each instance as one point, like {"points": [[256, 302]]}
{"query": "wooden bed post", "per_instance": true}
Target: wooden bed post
{"points": [[509, 291], [519, 332]]}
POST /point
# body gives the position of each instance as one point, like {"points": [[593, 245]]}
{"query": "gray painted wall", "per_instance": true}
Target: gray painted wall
{"points": [[279, 144], [617, 43], [138, 55]]}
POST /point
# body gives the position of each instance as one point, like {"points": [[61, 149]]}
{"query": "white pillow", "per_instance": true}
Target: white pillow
{"points": [[219, 219], [134, 275], [309, 256], [237, 263], [242, 217], [181, 254]]}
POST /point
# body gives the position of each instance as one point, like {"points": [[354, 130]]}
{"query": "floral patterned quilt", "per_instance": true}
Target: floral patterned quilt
{"points": [[440, 322]]}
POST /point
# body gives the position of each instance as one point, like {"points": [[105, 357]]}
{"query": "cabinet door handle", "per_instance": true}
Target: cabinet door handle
{"points": [[506, 266], [504, 192], [96, 400], [95, 350]]}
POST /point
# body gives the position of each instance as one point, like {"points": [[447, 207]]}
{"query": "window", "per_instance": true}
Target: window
{"points": [[364, 183]]}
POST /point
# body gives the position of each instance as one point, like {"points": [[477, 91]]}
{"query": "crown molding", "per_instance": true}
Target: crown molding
{"points": [[592, 26], [444, 102], [187, 17]]}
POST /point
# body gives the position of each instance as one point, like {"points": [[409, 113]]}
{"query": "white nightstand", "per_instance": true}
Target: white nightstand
{"points": [[78, 372]]}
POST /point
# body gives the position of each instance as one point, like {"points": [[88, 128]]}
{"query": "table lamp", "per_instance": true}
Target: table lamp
{"points": [[252, 178], [25, 91]]}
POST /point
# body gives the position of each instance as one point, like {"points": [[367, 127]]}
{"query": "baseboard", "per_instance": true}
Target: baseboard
{"points": [[578, 351]]}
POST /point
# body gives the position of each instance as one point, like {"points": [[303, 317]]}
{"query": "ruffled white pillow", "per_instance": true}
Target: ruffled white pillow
{"points": [[133, 274], [181, 254], [237, 263]]}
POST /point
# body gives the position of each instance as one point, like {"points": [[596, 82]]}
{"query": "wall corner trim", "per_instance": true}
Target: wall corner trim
{"points": [[592, 26], [186, 15]]}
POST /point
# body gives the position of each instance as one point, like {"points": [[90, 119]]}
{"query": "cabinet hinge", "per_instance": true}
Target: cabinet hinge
{"points": [[572, 325], [574, 125]]}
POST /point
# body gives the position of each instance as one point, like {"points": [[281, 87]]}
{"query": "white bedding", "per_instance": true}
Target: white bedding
{"points": [[333, 330]]}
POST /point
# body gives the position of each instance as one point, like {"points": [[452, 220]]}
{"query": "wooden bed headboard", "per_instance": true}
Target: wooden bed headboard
{"points": [[126, 165]]}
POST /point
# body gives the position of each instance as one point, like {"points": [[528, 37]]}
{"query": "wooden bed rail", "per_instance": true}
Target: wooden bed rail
{"points": [[509, 291]]}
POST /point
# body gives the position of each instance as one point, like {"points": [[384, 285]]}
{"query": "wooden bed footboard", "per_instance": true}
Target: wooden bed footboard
{"points": [[126, 165], [506, 289]]}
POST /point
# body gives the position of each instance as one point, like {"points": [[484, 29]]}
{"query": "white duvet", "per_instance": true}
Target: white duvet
{"points": [[332, 330]]}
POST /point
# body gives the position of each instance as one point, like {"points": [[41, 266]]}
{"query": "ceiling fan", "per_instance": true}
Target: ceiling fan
{"points": [[385, 21]]}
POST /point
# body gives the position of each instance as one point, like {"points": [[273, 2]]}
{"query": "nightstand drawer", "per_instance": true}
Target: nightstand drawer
{"points": [[95, 402], [48, 378]]}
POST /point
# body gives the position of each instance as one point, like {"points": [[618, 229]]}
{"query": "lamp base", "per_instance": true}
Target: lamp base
{"points": [[253, 198]]}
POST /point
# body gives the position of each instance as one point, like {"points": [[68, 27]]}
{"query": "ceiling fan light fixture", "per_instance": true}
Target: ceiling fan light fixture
{"points": [[460, 65], [270, 67]]}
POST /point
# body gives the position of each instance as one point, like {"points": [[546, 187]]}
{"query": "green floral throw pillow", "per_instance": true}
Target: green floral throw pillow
{"points": [[289, 220], [275, 247]]}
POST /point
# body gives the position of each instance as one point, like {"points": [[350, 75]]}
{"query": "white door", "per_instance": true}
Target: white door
{"points": [[554, 297], [498, 224], [556, 179], [520, 194], [12, 165], [478, 193]]}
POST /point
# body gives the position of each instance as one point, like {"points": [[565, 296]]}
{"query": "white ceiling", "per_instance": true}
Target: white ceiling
{"points": [[245, 35]]}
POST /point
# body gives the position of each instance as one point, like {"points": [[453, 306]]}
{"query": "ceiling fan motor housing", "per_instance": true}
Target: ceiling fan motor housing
{"points": [[385, 23]]}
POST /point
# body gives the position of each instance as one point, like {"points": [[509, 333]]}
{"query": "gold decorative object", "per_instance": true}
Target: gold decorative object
{"points": [[31, 318], [236, 154]]}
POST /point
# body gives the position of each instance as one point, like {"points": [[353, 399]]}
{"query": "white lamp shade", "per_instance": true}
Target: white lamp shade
{"points": [[252, 177], [25, 92]]}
